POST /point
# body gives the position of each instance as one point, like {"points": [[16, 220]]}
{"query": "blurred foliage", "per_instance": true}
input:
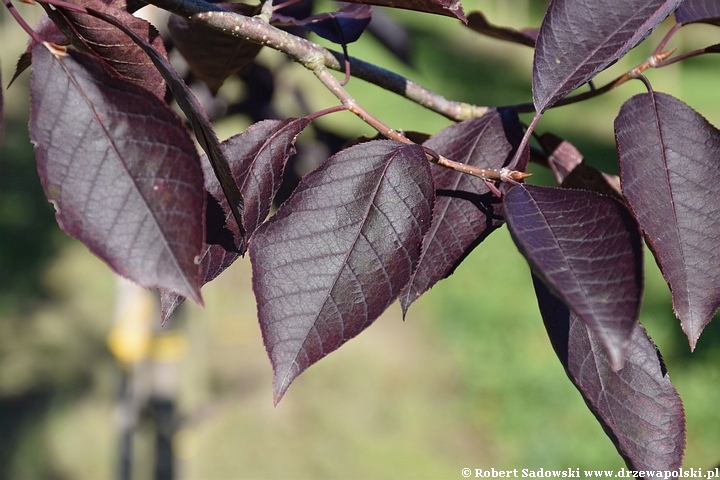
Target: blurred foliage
{"points": [[470, 380]]}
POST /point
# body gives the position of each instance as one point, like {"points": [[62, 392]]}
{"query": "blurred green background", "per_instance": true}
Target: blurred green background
{"points": [[469, 380]]}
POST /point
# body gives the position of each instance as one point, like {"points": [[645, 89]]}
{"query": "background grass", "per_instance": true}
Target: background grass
{"points": [[469, 380]]}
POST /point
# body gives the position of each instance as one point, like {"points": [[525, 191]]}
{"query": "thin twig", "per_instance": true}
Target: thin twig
{"points": [[487, 174], [654, 61], [327, 111], [666, 39], [644, 79], [21, 21], [694, 53]]}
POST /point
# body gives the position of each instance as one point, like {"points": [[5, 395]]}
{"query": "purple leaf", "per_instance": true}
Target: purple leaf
{"points": [[342, 27], [339, 252], [588, 249], [670, 175], [257, 159], [120, 168], [450, 8], [478, 22], [465, 211], [690, 11], [197, 116], [88, 33], [580, 38], [638, 407], [230, 55]]}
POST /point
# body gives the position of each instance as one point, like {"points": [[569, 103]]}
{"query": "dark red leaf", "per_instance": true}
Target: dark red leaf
{"points": [[588, 249], [706, 11], [465, 211], [670, 175], [229, 56], [339, 251], [89, 33], [638, 407], [478, 22], [580, 38], [450, 8], [198, 118], [120, 168], [343, 27], [257, 159]]}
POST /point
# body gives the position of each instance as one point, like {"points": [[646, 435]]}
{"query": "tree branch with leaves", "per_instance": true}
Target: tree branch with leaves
{"points": [[385, 219]]}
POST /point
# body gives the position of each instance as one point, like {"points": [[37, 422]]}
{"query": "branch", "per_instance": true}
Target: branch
{"points": [[309, 54], [487, 174], [317, 59], [391, 81]]}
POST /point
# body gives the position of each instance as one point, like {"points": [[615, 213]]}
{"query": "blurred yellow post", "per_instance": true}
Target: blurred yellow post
{"points": [[147, 355]]}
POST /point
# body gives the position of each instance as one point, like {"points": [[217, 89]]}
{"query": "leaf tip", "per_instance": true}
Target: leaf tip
{"points": [[279, 388], [692, 329], [195, 295], [405, 303]]}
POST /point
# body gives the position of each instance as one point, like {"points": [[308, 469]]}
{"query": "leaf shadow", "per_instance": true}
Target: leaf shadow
{"points": [[488, 204], [216, 229]]}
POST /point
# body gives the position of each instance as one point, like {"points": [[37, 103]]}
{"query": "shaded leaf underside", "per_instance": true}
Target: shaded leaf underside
{"points": [[229, 56], [588, 249], [120, 168], [670, 175], [638, 407], [338, 252]]}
